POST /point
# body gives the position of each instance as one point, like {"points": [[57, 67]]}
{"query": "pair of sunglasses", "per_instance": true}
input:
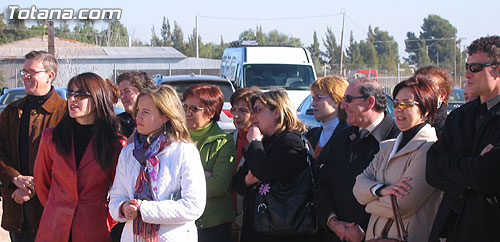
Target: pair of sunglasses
{"points": [[193, 109], [477, 67], [404, 104], [79, 95], [349, 98]]}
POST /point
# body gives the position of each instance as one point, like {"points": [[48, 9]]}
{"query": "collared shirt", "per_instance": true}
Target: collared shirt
{"points": [[492, 102], [372, 126]]}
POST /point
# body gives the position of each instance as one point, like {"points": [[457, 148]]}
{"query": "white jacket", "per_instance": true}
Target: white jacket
{"points": [[180, 167]]}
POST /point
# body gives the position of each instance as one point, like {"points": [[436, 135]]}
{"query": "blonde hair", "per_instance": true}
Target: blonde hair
{"points": [[335, 86], [278, 99], [168, 103]]}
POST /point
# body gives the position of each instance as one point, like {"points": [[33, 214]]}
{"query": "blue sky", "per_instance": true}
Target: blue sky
{"points": [[473, 19]]}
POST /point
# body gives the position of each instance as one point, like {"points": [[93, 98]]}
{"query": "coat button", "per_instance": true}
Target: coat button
{"points": [[33, 113]]}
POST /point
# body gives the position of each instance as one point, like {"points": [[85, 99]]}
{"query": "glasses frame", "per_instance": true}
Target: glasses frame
{"points": [[349, 98], [319, 98], [79, 95], [192, 108], [24, 72], [404, 104], [469, 66]]}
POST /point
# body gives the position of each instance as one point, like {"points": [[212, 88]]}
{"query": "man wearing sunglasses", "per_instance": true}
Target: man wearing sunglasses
{"points": [[352, 149], [464, 163], [21, 126]]}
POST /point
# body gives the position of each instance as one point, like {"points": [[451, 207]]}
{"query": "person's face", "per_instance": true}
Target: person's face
{"points": [[128, 95], [484, 83], [197, 115], [148, 118], [80, 106], [407, 118], [241, 115], [265, 118], [324, 108], [37, 82], [357, 108]]}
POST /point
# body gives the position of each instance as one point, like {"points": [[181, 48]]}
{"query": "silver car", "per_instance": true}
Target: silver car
{"points": [[183, 82]]}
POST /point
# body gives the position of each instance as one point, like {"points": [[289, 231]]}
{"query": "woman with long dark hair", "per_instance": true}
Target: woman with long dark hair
{"points": [[76, 163]]}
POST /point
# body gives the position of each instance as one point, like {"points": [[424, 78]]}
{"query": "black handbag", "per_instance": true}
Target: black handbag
{"points": [[287, 209]]}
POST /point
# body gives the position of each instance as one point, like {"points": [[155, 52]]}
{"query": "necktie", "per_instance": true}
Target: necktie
{"points": [[363, 133]]}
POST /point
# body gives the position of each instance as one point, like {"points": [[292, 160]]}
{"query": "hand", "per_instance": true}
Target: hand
{"points": [[487, 149], [20, 196], [25, 183], [346, 231], [399, 189], [130, 208], [208, 174], [250, 179], [254, 133]]}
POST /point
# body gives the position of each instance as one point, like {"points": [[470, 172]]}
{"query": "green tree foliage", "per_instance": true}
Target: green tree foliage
{"points": [[354, 59], [273, 37], [435, 44], [316, 55], [333, 51], [387, 49], [166, 34], [369, 54], [155, 40], [178, 38]]}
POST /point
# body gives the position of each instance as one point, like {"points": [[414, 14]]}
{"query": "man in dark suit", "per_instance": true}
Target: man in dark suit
{"points": [[351, 150], [464, 162]]}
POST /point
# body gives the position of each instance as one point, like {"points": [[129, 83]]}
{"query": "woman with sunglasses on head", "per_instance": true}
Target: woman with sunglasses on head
{"points": [[159, 189], [398, 169], [276, 153], [75, 165], [202, 105]]}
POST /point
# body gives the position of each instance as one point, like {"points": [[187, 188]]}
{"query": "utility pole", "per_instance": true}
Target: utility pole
{"points": [[51, 47], [455, 55], [197, 47], [342, 43]]}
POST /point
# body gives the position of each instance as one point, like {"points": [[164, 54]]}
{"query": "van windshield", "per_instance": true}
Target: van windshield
{"points": [[266, 76]]}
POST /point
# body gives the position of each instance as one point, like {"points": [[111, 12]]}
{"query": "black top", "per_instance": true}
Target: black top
{"points": [[33, 103], [280, 157], [127, 124], [441, 115], [349, 156], [409, 134], [81, 139], [470, 181]]}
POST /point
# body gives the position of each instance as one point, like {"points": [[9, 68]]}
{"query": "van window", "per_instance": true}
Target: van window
{"points": [[266, 76]]}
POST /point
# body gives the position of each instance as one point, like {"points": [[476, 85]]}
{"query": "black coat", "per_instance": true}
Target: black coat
{"points": [[441, 115], [348, 157], [469, 210], [127, 124], [279, 157], [313, 137]]}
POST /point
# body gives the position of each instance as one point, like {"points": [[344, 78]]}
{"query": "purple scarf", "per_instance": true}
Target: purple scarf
{"points": [[146, 184]]}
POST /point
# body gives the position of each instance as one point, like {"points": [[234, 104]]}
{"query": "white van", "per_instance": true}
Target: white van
{"points": [[247, 64]]}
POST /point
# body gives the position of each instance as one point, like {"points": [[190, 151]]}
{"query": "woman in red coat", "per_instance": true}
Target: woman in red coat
{"points": [[76, 163]]}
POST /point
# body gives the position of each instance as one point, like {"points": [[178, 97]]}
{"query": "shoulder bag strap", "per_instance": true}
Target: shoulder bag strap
{"points": [[402, 232]]}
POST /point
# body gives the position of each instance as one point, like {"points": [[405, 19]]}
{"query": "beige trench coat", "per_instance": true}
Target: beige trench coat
{"points": [[419, 208]]}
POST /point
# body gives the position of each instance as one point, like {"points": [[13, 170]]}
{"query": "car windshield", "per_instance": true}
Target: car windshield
{"points": [[290, 77], [457, 96], [181, 86], [11, 96]]}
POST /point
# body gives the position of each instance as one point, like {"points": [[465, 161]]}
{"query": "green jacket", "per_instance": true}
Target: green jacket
{"points": [[217, 151]]}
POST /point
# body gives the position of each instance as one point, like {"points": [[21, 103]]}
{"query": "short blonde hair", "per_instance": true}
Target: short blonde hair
{"points": [[278, 99], [168, 103], [335, 86]]}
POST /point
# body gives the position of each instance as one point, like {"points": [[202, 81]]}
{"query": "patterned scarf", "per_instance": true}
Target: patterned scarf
{"points": [[146, 184]]}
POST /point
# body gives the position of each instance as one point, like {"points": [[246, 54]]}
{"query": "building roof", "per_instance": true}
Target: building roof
{"points": [[72, 49]]}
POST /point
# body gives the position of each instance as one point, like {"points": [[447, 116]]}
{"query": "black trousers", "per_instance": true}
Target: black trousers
{"points": [[26, 235], [219, 233]]}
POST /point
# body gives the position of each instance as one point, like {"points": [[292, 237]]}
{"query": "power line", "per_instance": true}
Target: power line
{"points": [[264, 19]]}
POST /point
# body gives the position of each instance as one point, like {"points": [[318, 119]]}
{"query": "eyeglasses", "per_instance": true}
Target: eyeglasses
{"points": [[349, 98], [79, 95], [29, 72], [317, 98], [193, 108], [404, 104], [240, 110], [477, 67]]}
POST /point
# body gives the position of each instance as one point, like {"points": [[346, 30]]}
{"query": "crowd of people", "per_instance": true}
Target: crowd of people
{"points": [[73, 170]]}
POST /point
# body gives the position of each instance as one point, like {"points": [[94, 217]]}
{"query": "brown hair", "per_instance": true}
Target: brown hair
{"points": [[441, 77], [335, 86], [425, 92], [49, 62], [138, 79], [490, 45], [243, 94]]}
